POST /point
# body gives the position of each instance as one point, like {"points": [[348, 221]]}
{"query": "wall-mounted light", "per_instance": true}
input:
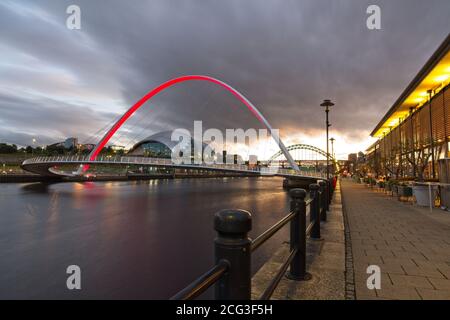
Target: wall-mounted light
{"points": [[442, 78], [419, 100]]}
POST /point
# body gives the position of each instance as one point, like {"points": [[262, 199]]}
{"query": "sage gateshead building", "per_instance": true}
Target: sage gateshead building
{"points": [[414, 135]]}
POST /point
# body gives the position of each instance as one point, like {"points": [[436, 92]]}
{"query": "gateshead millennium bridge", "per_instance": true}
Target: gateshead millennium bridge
{"points": [[48, 165]]}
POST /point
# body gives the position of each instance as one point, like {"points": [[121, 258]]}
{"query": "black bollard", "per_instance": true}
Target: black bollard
{"points": [[233, 246], [298, 234], [323, 201], [330, 190], [314, 210]]}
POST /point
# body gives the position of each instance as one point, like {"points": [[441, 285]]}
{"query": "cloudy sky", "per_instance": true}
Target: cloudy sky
{"points": [[284, 56]]}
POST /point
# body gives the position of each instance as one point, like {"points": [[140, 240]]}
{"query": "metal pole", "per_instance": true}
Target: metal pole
{"points": [[330, 193], [332, 147], [315, 210], [385, 154], [445, 125], [413, 148], [401, 147], [431, 135], [233, 246], [323, 200], [375, 160], [429, 194], [328, 154], [327, 104], [298, 234], [332, 154]]}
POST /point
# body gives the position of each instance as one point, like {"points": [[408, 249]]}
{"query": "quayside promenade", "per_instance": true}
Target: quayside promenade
{"points": [[410, 244]]}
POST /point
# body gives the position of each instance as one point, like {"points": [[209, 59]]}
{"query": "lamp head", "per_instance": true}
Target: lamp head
{"points": [[327, 103]]}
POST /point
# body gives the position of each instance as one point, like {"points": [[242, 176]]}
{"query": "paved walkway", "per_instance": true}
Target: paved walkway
{"points": [[409, 244]]}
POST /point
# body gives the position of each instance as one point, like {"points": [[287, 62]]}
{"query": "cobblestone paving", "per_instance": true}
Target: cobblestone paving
{"points": [[410, 245]]}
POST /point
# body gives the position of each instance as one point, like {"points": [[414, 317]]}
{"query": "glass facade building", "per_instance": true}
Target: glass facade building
{"points": [[160, 145], [155, 149]]}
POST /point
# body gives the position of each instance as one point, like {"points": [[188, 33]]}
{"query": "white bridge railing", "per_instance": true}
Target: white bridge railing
{"points": [[169, 163]]}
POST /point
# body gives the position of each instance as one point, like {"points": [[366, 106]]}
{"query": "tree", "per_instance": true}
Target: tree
{"points": [[420, 158], [8, 148], [55, 149]]}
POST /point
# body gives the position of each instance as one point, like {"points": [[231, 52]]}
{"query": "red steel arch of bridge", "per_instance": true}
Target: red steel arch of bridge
{"points": [[172, 82]]}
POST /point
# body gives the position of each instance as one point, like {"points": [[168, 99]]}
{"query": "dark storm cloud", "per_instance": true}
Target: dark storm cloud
{"points": [[18, 125], [285, 56]]}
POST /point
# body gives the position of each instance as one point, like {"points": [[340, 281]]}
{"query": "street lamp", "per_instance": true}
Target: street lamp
{"points": [[32, 149], [327, 104], [332, 151], [332, 146]]}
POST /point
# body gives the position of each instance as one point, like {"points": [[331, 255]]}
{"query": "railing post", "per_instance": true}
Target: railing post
{"points": [[330, 190], [314, 210], [233, 246], [327, 187], [298, 234], [323, 200], [332, 186], [327, 194]]}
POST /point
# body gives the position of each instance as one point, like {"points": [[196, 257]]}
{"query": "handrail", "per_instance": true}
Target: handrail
{"points": [[205, 281], [276, 280], [266, 235], [309, 227]]}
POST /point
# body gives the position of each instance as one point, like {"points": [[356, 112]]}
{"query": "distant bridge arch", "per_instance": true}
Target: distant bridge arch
{"points": [[302, 146]]}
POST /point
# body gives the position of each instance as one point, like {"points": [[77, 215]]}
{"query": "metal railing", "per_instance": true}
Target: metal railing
{"points": [[127, 160], [233, 248]]}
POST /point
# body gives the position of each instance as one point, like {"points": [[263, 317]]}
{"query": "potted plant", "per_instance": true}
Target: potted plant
{"points": [[421, 192], [394, 186], [394, 189], [388, 185], [404, 190]]}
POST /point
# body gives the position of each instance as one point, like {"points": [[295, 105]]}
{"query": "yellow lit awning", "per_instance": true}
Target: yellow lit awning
{"points": [[435, 75]]}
